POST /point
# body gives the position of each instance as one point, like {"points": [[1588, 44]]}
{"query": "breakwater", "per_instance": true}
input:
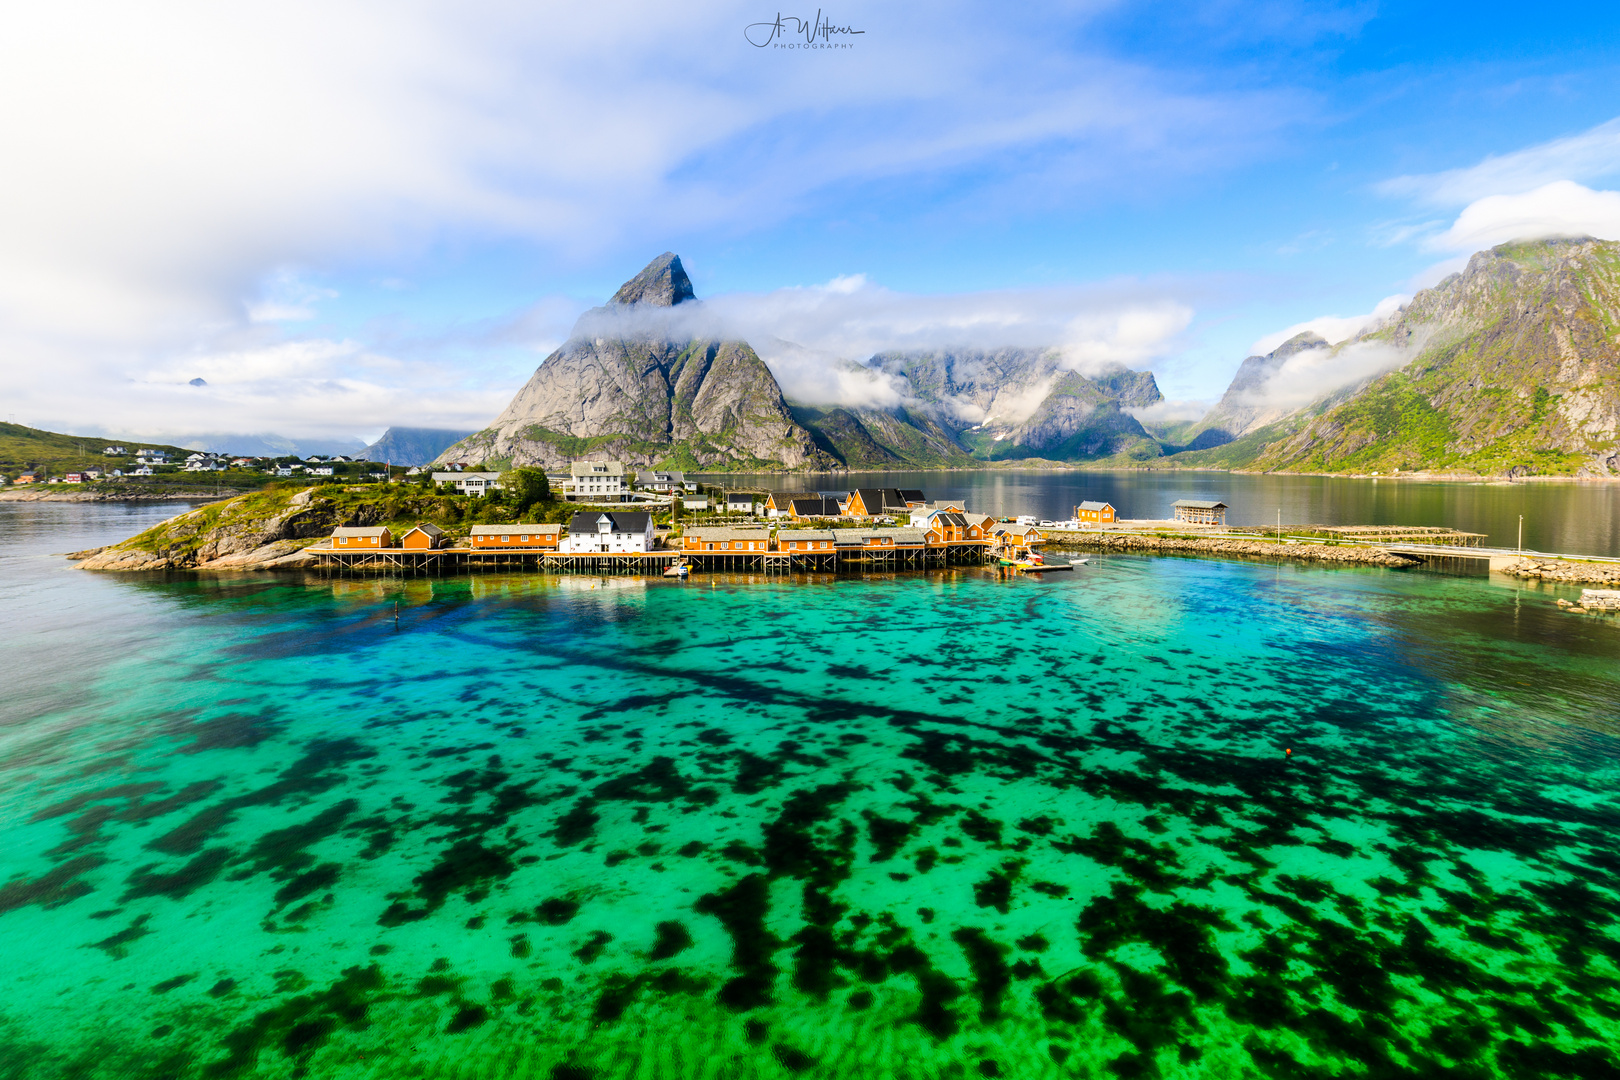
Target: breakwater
{"points": [[1155, 544], [1563, 571]]}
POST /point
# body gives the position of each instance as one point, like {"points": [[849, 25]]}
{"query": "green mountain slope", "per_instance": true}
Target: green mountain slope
{"points": [[1514, 369], [24, 448]]}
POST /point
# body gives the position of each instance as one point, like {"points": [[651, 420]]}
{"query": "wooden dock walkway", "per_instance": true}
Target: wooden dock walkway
{"points": [[460, 560], [1476, 559]]}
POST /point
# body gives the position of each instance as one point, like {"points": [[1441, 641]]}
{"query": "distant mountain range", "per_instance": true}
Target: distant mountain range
{"points": [[633, 394], [1508, 367], [411, 446]]}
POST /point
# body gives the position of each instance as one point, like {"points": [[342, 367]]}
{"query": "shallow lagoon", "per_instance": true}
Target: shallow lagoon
{"points": [[941, 825]]}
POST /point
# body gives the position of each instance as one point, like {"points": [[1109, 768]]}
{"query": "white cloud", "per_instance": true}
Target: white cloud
{"points": [[815, 337], [1561, 208], [1311, 375], [287, 298], [1590, 155], [306, 389], [1163, 413], [1331, 328], [165, 164]]}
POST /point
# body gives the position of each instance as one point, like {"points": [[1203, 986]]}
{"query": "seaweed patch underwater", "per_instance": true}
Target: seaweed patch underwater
{"points": [[1163, 818]]}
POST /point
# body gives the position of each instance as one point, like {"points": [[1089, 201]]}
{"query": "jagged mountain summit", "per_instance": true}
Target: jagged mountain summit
{"points": [[1510, 367], [663, 283], [631, 385], [1006, 404], [619, 389]]}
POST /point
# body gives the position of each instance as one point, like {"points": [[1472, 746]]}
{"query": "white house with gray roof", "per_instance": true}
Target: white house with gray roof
{"points": [[608, 532]]}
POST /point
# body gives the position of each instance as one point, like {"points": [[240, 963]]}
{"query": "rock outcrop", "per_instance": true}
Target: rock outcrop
{"points": [[627, 387], [250, 532]]}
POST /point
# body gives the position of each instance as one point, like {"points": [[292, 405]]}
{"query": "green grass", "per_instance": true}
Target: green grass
{"points": [[398, 506], [23, 448]]}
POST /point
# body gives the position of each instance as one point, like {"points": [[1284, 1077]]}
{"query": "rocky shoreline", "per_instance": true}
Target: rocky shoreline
{"points": [[230, 535], [1319, 553], [41, 495], [1562, 572]]}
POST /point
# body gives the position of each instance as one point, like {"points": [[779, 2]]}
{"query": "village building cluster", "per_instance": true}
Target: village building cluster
{"points": [[803, 528]]}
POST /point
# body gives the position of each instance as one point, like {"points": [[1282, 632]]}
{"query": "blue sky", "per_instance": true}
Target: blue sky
{"points": [[345, 219]]}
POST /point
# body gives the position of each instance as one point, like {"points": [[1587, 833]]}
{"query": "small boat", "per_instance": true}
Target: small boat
{"points": [[1078, 562], [679, 570]]}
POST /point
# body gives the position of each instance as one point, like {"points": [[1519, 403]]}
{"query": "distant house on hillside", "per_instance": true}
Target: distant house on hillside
{"points": [[610, 532], [669, 483], [470, 483], [595, 481], [113, 451], [744, 502], [1199, 512]]}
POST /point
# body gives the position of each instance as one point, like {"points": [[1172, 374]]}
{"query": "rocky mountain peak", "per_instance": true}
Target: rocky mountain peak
{"points": [[663, 283], [1301, 342]]}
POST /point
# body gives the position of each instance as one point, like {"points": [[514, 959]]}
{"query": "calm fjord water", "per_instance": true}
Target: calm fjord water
{"points": [[1574, 518], [936, 825]]}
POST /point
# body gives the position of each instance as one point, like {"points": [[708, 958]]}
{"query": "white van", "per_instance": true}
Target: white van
{"points": [[1026, 520]]}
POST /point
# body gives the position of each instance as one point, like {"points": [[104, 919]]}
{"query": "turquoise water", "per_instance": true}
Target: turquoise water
{"points": [[1561, 517], [940, 825]]}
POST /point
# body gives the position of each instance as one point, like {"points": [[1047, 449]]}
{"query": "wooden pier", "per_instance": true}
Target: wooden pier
{"points": [[463, 560]]}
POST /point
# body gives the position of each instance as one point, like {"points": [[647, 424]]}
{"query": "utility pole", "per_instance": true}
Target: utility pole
{"points": [[1521, 534], [1279, 524]]}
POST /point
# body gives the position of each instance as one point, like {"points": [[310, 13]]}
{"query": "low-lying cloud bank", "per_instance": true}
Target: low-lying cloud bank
{"points": [[1332, 328], [1314, 374], [817, 338]]}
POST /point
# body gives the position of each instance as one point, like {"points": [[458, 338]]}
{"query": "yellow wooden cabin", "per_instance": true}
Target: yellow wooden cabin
{"points": [[423, 537], [806, 541], [780, 502], [1017, 538], [515, 537], [864, 539], [362, 539], [727, 541], [1095, 511]]}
